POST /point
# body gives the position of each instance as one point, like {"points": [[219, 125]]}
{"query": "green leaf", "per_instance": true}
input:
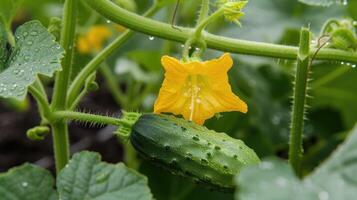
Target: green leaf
{"points": [[35, 52], [271, 180], [27, 182], [8, 10], [274, 179], [337, 175], [86, 177], [323, 2], [334, 86]]}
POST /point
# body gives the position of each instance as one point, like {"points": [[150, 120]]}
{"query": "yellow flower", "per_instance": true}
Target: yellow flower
{"points": [[197, 90], [93, 40]]}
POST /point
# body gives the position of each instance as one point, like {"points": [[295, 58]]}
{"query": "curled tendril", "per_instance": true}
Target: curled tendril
{"points": [[38, 132]]}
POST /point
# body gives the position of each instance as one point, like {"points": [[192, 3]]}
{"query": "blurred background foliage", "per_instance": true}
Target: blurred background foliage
{"points": [[264, 83]]}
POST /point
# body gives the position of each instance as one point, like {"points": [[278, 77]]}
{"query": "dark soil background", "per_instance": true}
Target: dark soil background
{"points": [[16, 148]]}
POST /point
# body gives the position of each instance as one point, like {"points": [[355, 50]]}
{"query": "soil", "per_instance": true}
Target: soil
{"points": [[16, 148]]}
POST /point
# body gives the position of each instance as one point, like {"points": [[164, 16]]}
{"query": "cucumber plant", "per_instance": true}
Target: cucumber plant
{"points": [[178, 145]]}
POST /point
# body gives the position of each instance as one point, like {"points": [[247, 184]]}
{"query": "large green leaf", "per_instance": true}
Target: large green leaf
{"points": [[27, 182], [86, 177], [8, 10], [35, 52], [324, 2], [273, 179], [337, 176]]}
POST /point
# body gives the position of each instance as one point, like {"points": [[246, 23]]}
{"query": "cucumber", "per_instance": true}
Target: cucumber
{"points": [[191, 150]]}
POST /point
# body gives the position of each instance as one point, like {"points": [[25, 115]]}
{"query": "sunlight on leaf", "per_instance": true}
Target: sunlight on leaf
{"points": [[35, 52]]}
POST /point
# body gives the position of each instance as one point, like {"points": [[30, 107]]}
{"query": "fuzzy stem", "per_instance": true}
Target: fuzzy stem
{"points": [[94, 64], [87, 117], [299, 102], [204, 11], [164, 30]]}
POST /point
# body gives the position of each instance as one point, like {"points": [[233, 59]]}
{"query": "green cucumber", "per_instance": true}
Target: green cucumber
{"points": [[190, 150]]}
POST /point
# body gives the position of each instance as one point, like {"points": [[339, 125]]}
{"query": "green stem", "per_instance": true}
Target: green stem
{"points": [[299, 102], [39, 85], [112, 85], [78, 99], [159, 29], [197, 35], [61, 145], [94, 64], [87, 117], [202, 25], [67, 42], [11, 38], [204, 11], [42, 102], [60, 129]]}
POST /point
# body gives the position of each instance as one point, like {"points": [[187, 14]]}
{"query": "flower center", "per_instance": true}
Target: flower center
{"points": [[193, 91]]}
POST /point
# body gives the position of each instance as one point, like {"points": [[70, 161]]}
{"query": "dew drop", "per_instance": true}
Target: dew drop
{"points": [[34, 33], [14, 86], [344, 2], [281, 182], [29, 42], [24, 184], [151, 38], [25, 34], [354, 66], [324, 195], [266, 165], [108, 21], [182, 45]]}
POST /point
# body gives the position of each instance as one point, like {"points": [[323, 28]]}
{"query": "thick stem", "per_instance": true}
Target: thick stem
{"points": [[299, 102], [164, 30], [67, 41], [94, 64], [60, 129], [61, 145]]}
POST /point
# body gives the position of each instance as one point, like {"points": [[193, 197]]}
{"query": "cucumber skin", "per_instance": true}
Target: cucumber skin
{"points": [[191, 150]]}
